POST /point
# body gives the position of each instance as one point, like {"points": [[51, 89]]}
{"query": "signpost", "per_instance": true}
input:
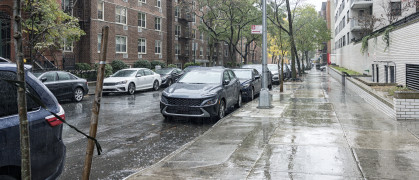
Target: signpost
{"points": [[257, 29]]}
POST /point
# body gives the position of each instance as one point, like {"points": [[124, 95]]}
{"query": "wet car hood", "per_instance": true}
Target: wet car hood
{"points": [[185, 90], [116, 79]]}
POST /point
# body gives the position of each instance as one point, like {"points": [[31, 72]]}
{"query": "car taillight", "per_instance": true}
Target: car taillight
{"points": [[53, 121]]}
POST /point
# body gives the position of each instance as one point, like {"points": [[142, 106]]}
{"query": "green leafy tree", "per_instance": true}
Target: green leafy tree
{"points": [[157, 63], [48, 26], [83, 66]]}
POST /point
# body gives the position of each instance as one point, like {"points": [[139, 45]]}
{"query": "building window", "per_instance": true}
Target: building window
{"points": [[207, 52], [157, 25], [177, 11], [121, 44], [142, 46], [344, 40], [121, 15], [226, 52], [100, 7], [396, 8], [177, 49], [158, 3], [142, 20], [65, 5], [142, 1], [417, 5], [67, 46], [201, 51], [193, 18], [201, 35], [347, 15], [99, 42], [194, 48], [157, 47], [193, 33], [187, 49], [348, 38], [177, 30]]}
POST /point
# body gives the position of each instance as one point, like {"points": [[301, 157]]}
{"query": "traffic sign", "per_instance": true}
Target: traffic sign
{"points": [[256, 29]]}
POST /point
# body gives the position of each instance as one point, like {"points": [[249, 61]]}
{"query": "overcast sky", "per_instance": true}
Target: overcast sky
{"points": [[317, 3]]}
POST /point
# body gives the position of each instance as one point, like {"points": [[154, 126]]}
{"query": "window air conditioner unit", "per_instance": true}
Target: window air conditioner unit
{"points": [[140, 56], [125, 56], [125, 27]]}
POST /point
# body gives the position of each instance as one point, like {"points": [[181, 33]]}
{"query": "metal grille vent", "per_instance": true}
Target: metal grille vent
{"points": [[184, 102], [412, 76]]}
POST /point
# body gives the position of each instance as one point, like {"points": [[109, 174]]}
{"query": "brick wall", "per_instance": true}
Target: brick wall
{"points": [[406, 109]]}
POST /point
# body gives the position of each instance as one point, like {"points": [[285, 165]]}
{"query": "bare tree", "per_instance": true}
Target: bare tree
{"points": [[394, 10]]}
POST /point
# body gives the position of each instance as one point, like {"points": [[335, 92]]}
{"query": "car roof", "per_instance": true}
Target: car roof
{"points": [[242, 69], [135, 69], [209, 68], [12, 67]]}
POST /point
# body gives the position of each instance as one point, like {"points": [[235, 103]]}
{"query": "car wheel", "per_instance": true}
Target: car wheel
{"points": [[270, 87], [78, 94], [239, 101], [252, 94], [131, 88], [156, 85], [221, 110]]}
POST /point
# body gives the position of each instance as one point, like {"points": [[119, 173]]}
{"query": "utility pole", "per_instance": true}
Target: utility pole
{"points": [[25, 168], [96, 104], [265, 97]]}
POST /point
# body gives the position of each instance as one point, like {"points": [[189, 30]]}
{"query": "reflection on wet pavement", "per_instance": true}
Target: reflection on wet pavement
{"points": [[317, 130]]}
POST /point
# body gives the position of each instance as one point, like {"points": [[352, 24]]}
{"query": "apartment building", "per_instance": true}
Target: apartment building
{"points": [[162, 30], [386, 62]]}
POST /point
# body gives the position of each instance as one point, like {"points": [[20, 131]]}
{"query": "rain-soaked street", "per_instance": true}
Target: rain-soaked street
{"points": [[317, 129], [132, 132]]}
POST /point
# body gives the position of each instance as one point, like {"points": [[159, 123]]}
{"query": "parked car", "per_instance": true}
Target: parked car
{"points": [[258, 67], [4, 60], [64, 85], [131, 80], [189, 68], [169, 75], [275, 73], [250, 82], [203, 92], [322, 68], [46, 146]]}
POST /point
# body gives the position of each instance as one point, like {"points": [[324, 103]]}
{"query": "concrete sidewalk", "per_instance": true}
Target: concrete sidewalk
{"points": [[316, 130]]}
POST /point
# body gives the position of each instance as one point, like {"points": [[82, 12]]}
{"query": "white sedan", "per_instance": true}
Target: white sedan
{"points": [[131, 80]]}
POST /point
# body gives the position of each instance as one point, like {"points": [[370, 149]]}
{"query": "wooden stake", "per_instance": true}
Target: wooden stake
{"points": [[96, 104]]}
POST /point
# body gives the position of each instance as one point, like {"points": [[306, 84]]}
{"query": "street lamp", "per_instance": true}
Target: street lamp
{"points": [[265, 97]]}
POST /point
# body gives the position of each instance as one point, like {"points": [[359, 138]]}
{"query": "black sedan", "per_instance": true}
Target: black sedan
{"points": [[202, 92], [169, 75], [258, 67], [250, 82], [64, 85]]}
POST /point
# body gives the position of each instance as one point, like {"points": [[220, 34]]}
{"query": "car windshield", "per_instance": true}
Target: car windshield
{"points": [[243, 74], [201, 77], [257, 67], [37, 74], [164, 71], [273, 67], [125, 73]]}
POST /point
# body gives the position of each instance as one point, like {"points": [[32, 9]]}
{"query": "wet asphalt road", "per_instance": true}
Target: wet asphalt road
{"points": [[132, 132]]}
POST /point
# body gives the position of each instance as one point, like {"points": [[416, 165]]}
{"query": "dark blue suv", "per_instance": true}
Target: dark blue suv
{"points": [[47, 148]]}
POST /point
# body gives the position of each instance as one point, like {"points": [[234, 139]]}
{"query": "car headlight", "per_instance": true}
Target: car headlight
{"points": [[122, 82], [210, 101], [164, 100], [246, 85]]}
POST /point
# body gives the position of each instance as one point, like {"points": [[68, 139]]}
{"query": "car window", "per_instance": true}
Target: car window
{"points": [[140, 72], [226, 77], [179, 71], [63, 76], [147, 72], [255, 73], [51, 76], [8, 97], [72, 76], [232, 75]]}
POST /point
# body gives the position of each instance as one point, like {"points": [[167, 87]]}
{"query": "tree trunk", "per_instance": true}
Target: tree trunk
{"points": [[302, 63], [281, 88], [292, 42], [25, 168]]}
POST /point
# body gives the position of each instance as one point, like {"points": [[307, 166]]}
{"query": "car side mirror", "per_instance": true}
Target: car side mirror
{"points": [[226, 82], [257, 77], [138, 75], [43, 79]]}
